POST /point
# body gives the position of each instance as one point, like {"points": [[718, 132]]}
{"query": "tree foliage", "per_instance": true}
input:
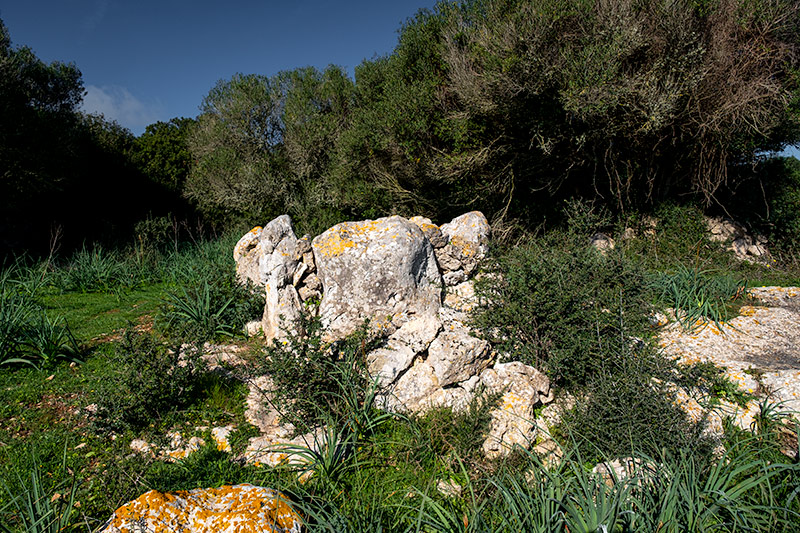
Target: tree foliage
{"points": [[504, 105], [264, 145], [162, 152]]}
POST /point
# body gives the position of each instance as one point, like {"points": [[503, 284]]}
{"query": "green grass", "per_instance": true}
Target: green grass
{"points": [[97, 314]]}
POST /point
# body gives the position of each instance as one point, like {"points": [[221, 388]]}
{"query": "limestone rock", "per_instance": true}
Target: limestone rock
{"points": [[414, 337], [246, 256], [431, 231], [455, 355], [744, 245], [227, 509], [467, 244], [602, 242], [383, 270], [523, 388], [269, 258], [413, 389], [758, 351]]}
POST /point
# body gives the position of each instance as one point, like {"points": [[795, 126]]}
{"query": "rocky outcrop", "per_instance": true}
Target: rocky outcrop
{"points": [[413, 280], [759, 351], [269, 257], [227, 509]]}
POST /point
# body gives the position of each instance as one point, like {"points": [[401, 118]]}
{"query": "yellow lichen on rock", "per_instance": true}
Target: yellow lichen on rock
{"points": [[228, 509]]}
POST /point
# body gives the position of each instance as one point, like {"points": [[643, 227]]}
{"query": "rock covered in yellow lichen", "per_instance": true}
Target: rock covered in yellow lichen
{"points": [[374, 269], [467, 243], [227, 509]]}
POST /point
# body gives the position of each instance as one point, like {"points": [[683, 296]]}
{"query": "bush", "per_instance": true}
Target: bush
{"points": [[630, 407], [558, 304], [318, 383], [149, 380]]}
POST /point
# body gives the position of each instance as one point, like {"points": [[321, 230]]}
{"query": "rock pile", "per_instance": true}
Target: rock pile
{"points": [[413, 281], [744, 245]]}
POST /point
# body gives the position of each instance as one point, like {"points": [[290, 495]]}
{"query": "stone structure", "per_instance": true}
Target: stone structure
{"points": [[413, 281]]}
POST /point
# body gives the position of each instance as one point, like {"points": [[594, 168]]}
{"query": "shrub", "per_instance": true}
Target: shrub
{"points": [[149, 380], [317, 382], [630, 407], [558, 304]]}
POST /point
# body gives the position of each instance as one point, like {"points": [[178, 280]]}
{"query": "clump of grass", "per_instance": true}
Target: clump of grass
{"points": [[28, 335], [698, 296], [35, 508]]}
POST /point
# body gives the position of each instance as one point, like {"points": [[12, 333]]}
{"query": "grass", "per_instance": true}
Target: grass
{"points": [[94, 316]]}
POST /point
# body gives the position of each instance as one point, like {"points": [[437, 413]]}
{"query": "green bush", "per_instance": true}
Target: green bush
{"points": [[149, 380], [318, 383], [556, 303], [630, 407]]}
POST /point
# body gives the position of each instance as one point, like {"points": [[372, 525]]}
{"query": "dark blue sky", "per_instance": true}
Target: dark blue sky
{"points": [[144, 61]]}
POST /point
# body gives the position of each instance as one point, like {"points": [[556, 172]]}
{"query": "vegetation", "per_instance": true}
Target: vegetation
{"points": [[560, 119]]}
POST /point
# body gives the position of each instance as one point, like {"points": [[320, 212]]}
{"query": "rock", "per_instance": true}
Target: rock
{"points": [[455, 355], [246, 256], [269, 258], [758, 351], [618, 470], [461, 297], [431, 231], [745, 246], [411, 392], [382, 270], [227, 509], [549, 452], [513, 424], [449, 488], [253, 328], [602, 242], [467, 244], [414, 337]]}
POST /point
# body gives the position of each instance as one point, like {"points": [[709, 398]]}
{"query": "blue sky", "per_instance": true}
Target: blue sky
{"points": [[144, 61]]}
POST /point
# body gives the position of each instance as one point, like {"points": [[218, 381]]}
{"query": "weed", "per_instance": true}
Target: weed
{"points": [[35, 508]]}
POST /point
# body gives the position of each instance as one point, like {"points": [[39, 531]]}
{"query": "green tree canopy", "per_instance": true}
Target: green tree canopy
{"points": [[264, 145]]}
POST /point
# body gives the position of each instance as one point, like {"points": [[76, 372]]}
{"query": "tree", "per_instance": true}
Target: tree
{"points": [[38, 104], [504, 105], [263, 146], [162, 152]]}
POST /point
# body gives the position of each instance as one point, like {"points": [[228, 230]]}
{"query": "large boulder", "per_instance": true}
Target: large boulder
{"points": [[227, 509], [383, 270]]}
